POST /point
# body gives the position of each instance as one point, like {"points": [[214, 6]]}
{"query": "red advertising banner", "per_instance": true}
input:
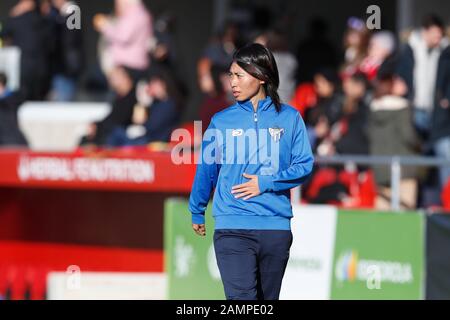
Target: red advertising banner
{"points": [[112, 170]]}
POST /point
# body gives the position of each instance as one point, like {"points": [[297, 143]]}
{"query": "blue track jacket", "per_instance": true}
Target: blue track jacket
{"points": [[273, 145]]}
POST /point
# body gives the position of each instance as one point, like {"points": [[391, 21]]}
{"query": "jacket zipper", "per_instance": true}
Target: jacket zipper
{"points": [[255, 117]]}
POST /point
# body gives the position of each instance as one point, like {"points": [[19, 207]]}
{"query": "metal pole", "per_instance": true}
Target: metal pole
{"points": [[396, 175], [220, 13], [405, 13]]}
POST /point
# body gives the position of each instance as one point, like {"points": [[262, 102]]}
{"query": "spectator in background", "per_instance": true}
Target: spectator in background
{"points": [[356, 42], [419, 65], [218, 99], [391, 132], [304, 98], [349, 135], [154, 122], [164, 55], [27, 29], [440, 128], [315, 52], [130, 36], [10, 134], [326, 112], [122, 108], [164, 52], [345, 135], [67, 55], [380, 55], [286, 62], [219, 52]]}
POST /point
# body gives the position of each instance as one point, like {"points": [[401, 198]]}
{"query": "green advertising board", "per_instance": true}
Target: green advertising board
{"points": [[378, 256], [372, 255], [190, 262]]}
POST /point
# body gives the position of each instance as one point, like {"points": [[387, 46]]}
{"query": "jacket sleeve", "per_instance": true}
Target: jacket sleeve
{"points": [[124, 31], [302, 161], [405, 68], [443, 82], [161, 120], [205, 177]]}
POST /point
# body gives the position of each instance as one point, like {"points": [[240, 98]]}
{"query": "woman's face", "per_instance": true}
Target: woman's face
{"points": [[433, 36], [353, 39], [157, 88], [323, 87], [354, 89], [243, 85]]}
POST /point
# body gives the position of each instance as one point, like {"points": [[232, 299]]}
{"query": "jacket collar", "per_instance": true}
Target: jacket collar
{"points": [[263, 104]]}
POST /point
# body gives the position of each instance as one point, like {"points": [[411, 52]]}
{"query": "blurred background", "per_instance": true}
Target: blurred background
{"points": [[92, 205]]}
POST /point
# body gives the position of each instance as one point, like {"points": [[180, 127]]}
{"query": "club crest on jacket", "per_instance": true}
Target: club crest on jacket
{"points": [[276, 133]]}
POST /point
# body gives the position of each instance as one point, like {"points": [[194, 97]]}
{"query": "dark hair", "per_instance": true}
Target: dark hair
{"points": [[360, 78], [433, 20], [330, 74], [173, 91], [258, 61], [383, 84], [3, 79]]}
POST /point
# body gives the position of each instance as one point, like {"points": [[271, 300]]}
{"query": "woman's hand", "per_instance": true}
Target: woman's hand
{"points": [[199, 229], [249, 189]]}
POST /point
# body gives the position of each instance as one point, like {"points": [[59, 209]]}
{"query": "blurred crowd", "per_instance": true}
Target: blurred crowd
{"points": [[387, 97], [378, 94]]}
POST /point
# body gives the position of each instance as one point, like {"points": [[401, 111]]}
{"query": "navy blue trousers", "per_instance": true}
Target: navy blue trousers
{"points": [[252, 262]]}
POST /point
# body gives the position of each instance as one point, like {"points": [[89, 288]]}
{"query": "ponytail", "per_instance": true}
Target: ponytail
{"points": [[272, 92]]}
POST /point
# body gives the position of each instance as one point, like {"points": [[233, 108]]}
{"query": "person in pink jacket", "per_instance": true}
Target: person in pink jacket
{"points": [[129, 35]]}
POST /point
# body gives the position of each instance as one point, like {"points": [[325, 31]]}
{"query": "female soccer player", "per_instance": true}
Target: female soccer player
{"points": [[253, 153]]}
